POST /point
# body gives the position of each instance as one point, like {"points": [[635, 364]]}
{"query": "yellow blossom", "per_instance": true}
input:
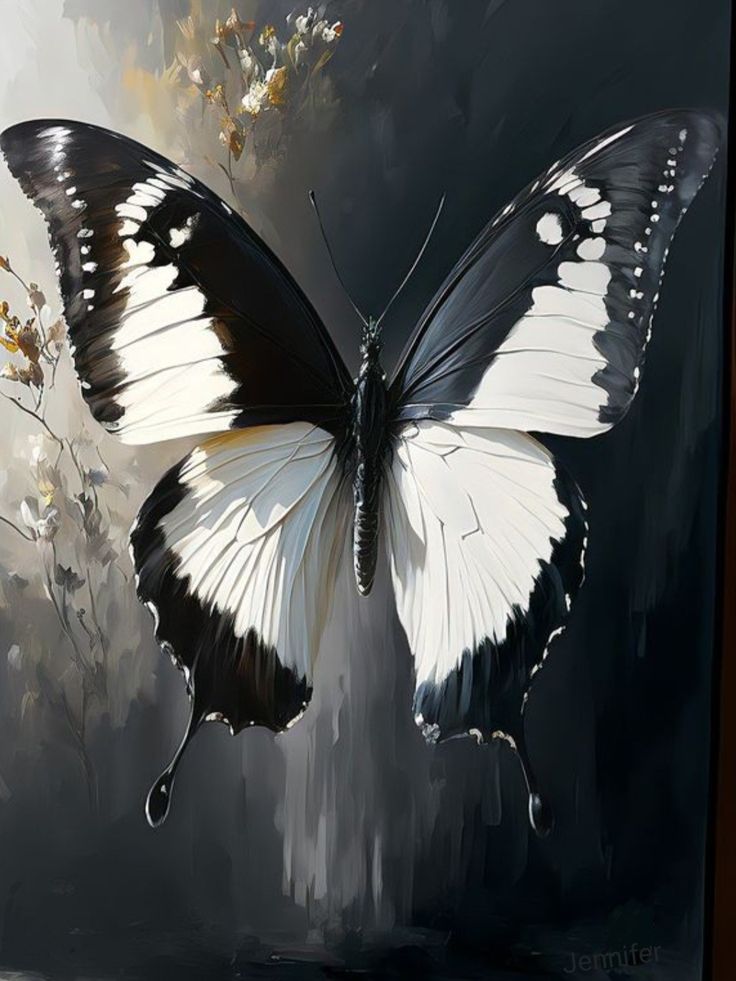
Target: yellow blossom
{"points": [[276, 80], [9, 344], [232, 137], [266, 34]]}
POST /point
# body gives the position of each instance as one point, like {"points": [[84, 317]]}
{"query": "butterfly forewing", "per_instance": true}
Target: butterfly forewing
{"points": [[181, 320], [544, 322]]}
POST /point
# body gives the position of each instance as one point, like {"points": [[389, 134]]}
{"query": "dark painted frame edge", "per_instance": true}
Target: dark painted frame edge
{"points": [[720, 871]]}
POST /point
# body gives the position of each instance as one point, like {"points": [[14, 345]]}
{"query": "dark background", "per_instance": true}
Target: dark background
{"points": [[473, 100]]}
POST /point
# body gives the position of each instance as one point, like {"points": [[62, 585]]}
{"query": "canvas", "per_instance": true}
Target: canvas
{"points": [[364, 399]]}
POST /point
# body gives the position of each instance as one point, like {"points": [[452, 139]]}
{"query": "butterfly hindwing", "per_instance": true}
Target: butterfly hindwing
{"points": [[543, 324], [181, 320], [235, 553], [486, 537]]}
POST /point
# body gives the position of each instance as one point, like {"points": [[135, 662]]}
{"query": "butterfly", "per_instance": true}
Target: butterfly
{"points": [[184, 323]]}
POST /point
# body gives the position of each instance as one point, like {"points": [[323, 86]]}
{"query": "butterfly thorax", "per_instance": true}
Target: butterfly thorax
{"points": [[370, 405]]}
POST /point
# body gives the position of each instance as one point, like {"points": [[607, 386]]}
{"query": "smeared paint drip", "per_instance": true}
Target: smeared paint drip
{"points": [[158, 801], [541, 816]]}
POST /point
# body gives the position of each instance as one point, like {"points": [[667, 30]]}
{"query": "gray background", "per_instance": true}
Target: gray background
{"points": [[347, 843]]}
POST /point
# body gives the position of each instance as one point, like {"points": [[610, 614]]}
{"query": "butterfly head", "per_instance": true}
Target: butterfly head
{"points": [[370, 341]]}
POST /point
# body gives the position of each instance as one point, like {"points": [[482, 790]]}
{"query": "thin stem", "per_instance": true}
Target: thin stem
{"points": [[90, 636], [53, 370], [63, 620], [95, 619], [42, 331], [80, 470], [7, 521], [19, 278], [34, 415], [78, 731]]}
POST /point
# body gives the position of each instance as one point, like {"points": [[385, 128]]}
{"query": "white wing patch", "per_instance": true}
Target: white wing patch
{"points": [[542, 375], [162, 325], [552, 373], [470, 517], [257, 531], [549, 229], [158, 324]]}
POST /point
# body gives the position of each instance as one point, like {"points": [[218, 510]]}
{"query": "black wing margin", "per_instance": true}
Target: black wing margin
{"points": [[543, 323], [182, 321]]}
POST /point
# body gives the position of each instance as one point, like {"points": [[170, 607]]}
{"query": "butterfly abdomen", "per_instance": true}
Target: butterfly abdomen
{"points": [[369, 436]]}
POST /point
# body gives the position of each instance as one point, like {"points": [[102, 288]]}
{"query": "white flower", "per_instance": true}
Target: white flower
{"points": [[272, 46], [300, 52], [305, 22], [326, 32], [29, 513], [43, 526], [248, 65], [256, 98], [35, 449], [198, 74]]}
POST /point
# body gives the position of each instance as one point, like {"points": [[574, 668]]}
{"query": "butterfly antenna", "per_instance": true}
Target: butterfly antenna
{"points": [[313, 199], [414, 265]]}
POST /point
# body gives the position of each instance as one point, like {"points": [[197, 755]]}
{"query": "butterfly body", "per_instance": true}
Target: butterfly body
{"points": [[184, 323], [369, 428]]}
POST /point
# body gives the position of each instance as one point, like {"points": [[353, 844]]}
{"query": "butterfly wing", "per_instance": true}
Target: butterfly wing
{"points": [[235, 552], [486, 536], [181, 320], [542, 325]]}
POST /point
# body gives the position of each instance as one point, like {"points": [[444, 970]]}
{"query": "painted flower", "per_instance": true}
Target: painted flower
{"points": [[249, 65], [217, 96], [21, 338], [56, 334], [36, 448], [15, 657], [66, 577], [196, 71], [29, 342], [329, 33], [48, 479], [43, 525], [256, 98], [30, 374], [305, 22], [234, 32], [299, 52], [232, 137], [36, 298], [276, 82]]}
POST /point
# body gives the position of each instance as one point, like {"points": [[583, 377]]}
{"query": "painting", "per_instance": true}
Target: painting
{"points": [[363, 390]]}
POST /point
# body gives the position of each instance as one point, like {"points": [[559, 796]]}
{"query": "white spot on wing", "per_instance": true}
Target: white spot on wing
{"points": [[179, 236], [549, 229]]}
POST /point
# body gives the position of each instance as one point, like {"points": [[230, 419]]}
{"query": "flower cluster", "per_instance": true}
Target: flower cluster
{"points": [[76, 546], [257, 79], [21, 338]]}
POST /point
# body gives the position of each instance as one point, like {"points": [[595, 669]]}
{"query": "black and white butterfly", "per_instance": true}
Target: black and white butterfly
{"points": [[183, 322]]}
